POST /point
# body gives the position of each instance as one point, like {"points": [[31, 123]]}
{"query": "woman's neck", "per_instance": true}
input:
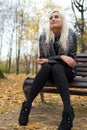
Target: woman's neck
{"points": [[57, 32]]}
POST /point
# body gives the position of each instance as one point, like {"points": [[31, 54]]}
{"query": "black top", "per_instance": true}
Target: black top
{"points": [[56, 44]]}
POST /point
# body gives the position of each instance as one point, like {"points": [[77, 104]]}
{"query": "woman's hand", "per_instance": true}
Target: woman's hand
{"points": [[69, 60], [42, 61]]}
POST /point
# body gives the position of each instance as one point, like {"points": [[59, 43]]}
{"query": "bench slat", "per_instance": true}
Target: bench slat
{"points": [[72, 92], [77, 83], [82, 69], [71, 85], [77, 79], [81, 65], [81, 74], [82, 55], [81, 60]]}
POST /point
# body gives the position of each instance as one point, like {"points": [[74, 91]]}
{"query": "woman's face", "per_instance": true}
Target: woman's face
{"points": [[55, 21]]}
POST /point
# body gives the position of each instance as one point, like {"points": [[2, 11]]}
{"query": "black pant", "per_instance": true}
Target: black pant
{"points": [[61, 74]]}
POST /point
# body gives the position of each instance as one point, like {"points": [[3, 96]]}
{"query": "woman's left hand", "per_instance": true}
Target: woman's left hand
{"points": [[69, 60], [42, 61]]}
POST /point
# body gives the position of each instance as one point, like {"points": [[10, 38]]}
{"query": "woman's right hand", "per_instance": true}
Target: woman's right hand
{"points": [[42, 61]]}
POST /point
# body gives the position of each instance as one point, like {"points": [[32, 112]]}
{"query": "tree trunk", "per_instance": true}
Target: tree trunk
{"points": [[17, 61], [2, 75], [27, 61]]}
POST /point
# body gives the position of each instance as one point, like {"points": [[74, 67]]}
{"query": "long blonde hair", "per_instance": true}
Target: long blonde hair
{"points": [[63, 41]]}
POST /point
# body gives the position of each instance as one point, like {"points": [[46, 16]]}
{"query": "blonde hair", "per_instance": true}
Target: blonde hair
{"points": [[63, 41]]}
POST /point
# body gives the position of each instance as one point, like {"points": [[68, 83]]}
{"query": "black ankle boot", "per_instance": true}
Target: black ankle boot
{"points": [[24, 113], [67, 120]]}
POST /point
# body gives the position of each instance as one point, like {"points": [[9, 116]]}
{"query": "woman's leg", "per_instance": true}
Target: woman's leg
{"points": [[61, 81], [39, 81], [60, 77]]}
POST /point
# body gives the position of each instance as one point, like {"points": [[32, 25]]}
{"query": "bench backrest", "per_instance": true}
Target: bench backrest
{"points": [[82, 64]]}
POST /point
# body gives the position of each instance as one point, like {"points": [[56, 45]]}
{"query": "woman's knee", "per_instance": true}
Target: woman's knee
{"points": [[46, 67], [57, 68]]}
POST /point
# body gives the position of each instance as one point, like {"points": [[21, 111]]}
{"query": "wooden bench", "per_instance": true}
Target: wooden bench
{"points": [[77, 87]]}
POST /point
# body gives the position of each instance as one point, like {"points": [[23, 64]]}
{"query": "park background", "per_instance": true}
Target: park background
{"points": [[21, 23]]}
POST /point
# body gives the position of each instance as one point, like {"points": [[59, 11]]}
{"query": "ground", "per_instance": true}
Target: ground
{"points": [[43, 116]]}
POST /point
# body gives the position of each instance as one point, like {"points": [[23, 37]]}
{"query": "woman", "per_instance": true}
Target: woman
{"points": [[57, 59]]}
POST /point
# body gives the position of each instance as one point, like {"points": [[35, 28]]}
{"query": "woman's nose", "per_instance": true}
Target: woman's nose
{"points": [[53, 18]]}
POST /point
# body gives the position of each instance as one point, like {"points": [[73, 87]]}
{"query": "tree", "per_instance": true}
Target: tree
{"points": [[19, 38], [80, 23], [3, 17], [1, 74]]}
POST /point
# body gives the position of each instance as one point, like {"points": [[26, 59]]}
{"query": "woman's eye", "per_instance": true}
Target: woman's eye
{"points": [[51, 17], [56, 16]]}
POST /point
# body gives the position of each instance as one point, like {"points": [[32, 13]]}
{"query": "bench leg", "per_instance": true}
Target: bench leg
{"points": [[42, 97], [26, 91]]}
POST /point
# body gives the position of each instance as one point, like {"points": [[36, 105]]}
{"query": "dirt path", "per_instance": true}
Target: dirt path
{"points": [[46, 116]]}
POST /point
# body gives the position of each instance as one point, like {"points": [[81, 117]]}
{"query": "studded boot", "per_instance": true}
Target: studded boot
{"points": [[24, 113], [67, 120]]}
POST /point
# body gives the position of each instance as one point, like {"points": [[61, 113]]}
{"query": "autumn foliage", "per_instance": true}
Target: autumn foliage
{"points": [[43, 116]]}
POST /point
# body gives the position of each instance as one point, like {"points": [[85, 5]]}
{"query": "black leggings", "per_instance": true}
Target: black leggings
{"points": [[61, 75]]}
